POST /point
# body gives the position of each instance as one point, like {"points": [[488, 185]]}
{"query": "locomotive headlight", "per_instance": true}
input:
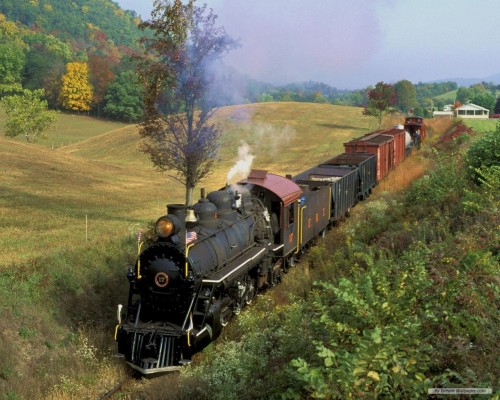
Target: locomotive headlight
{"points": [[165, 227]]}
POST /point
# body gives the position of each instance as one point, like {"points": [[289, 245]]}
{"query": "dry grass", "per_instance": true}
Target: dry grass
{"points": [[102, 186]]}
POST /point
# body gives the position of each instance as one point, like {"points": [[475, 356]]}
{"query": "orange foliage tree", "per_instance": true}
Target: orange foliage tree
{"points": [[76, 89], [104, 57]]}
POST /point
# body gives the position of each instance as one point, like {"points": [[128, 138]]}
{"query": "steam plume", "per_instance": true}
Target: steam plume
{"points": [[241, 169]]}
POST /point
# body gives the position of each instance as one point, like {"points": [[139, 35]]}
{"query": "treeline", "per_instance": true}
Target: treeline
{"points": [[80, 53], [420, 99], [71, 21]]}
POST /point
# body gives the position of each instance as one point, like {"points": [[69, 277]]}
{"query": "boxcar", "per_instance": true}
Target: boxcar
{"points": [[415, 126], [375, 143], [399, 144]]}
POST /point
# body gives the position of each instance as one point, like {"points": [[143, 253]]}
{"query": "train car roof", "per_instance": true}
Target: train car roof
{"points": [[374, 138], [349, 159], [287, 190], [324, 170]]}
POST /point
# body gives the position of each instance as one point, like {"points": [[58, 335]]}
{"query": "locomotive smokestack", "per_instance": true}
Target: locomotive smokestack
{"points": [[202, 194]]}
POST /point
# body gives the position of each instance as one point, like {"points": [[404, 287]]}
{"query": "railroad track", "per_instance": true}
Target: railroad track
{"points": [[115, 390]]}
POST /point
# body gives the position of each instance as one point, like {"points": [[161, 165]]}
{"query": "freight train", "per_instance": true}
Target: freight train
{"points": [[208, 261]]}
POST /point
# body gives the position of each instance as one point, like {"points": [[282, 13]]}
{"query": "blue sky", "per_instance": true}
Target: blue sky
{"points": [[356, 43]]}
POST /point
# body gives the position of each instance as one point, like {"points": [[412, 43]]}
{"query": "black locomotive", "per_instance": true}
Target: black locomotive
{"points": [[209, 261]]}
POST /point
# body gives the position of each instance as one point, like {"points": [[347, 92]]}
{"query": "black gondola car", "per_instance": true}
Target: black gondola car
{"points": [[365, 163]]}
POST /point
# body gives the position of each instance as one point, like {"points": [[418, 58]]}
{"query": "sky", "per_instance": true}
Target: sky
{"points": [[351, 44]]}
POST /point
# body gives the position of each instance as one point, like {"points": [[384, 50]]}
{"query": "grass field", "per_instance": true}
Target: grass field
{"points": [[448, 97], [101, 185], [482, 125]]}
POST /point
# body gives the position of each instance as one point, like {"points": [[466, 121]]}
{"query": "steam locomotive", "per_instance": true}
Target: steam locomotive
{"points": [[209, 261]]}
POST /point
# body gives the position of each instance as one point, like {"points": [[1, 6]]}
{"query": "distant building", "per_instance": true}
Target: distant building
{"points": [[448, 114], [472, 111]]}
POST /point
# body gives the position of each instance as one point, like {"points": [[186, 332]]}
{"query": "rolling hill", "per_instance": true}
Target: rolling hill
{"points": [[101, 184]]}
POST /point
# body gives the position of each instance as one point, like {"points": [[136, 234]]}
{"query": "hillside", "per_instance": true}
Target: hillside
{"points": [[69, 217], [72, 20], [104, 178]]}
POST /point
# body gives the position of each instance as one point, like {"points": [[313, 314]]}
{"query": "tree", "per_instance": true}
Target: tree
{"points": [[406, 95], [103, 59], [12, 53], [463, 95], [27, 114], [76, 90], [497, 106], [124, 98], [484, 99], [178, 72], [381, 99]]}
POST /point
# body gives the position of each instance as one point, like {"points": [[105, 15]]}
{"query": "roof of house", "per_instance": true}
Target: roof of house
{"points": [[471, 106]]}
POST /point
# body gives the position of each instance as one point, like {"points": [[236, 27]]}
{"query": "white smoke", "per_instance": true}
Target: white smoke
{"points": [[242, 168], [271, 139]]}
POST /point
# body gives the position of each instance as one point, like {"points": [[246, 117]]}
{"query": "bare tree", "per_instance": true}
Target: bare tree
{"points": [[178, 72]]}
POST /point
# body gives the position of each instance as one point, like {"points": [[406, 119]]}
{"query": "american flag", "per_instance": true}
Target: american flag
{"points": [[191, 236]]}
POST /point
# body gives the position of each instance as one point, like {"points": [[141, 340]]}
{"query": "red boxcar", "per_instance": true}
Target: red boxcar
{"points": [[375, 143], [399, 135]]}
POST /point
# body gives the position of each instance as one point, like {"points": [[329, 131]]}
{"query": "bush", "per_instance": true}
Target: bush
{"points": [[368, 331], [484, 153]]}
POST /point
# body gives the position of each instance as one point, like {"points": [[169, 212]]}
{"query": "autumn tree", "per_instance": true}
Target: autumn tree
{"points": [[27, 114], [178, 73], [103, 59], [381, 101], [76, 90]]}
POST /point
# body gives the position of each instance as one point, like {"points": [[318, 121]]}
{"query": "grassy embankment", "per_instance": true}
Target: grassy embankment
{"points": [[68, 219]]}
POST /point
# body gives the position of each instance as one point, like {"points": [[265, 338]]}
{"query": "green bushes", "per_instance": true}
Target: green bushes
{"points": [[484, 153], [256, 366], [369, 332]]}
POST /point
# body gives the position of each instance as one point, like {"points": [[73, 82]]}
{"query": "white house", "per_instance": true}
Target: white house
{"points": [[472, 111]]}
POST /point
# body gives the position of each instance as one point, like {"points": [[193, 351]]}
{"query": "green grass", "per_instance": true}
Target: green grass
{"points": [[482, 125], [68, 129], [448, 97]]}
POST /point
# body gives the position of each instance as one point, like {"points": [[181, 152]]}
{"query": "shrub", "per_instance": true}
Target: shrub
{"points": [[368, 331], [484, 153]]}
